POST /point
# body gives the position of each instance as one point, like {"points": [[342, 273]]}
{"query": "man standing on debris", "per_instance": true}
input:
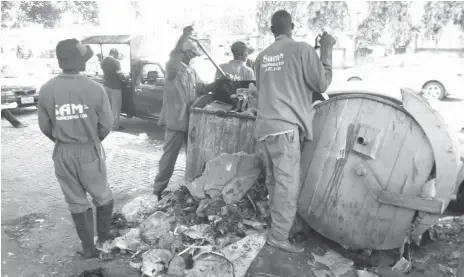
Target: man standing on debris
{"points": [[287, 73], [74, 112], [181, 88], [112, 79], [237, 67]]}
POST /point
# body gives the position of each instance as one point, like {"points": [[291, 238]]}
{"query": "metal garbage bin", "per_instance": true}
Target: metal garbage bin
{"points": [[213, 131]]}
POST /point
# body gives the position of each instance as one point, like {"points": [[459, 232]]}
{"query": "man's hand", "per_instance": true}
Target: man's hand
{"points": [[327, 41], [188, 31]]}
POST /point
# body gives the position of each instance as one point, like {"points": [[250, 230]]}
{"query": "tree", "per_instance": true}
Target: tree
{"points": [[265, 9], [438, 14], [328, 16], [16, 14], [390, 18], [136, 7]]}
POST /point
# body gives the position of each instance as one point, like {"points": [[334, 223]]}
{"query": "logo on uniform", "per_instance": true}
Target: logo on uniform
{"points": [[272, 63], [70, 111]]}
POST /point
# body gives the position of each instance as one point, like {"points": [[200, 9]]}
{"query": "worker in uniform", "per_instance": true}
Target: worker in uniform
{"points": [[112, 81], [181, 88], [287, 74], [237, 67], [74, 112]]}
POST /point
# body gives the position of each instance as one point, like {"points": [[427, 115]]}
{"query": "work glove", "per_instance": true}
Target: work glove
{"points": [[327, 41]]}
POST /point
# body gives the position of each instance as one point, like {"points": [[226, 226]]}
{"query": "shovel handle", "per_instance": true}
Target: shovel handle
{"points": [[316, 42], [209, 57]]}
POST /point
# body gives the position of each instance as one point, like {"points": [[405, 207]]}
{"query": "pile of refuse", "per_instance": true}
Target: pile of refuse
{"points": [[213, 226]]}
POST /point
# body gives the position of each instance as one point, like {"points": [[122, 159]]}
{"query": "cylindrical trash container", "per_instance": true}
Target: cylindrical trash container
{"points": [[214, 130], [365, 174]]}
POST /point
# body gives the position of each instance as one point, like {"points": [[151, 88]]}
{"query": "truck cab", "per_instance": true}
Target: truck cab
{"points": [[142, 95]]}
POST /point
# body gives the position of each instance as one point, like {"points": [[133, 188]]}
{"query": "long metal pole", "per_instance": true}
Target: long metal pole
{"points": [[209, 57]]}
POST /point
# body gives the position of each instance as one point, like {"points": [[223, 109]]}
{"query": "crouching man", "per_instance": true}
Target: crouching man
{"points": [[74, 112]]}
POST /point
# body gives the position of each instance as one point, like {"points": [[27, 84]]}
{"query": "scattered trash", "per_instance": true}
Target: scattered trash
{"points": [[137, 209], [155, 262], [335, 264], [202, 231], [402, 265], [229, 175], [130, 241], [155, 226], [177, 266], [99, 272], [254, 224], [364, 273]]}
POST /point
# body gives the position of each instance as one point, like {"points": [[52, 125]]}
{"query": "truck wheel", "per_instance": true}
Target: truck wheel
{"points": [[355, 78], [433, 90]]}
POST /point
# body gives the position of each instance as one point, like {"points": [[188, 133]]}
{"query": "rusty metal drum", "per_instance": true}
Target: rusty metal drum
{"points": [[216, 131], [364, 174]]}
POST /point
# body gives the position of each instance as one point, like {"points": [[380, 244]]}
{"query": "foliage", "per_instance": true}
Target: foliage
{"points": [[328, 16], [16, 14], [136, 7], [390, 18], [265, 9], [438, 14]]}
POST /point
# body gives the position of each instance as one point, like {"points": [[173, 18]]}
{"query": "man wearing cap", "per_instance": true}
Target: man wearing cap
{"points": [[287, 75], [112, 79], [74, 112], [181, 88], [237, 67]]}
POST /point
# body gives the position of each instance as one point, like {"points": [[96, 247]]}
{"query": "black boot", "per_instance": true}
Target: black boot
{"points": [[104, 218], [84, 226]]}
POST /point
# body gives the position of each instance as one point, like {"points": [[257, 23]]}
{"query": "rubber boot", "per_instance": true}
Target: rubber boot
{"points": [[84, 227], [104, 218]]}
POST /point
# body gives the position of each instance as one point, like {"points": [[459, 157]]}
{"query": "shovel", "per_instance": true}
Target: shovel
{"points": [[229, 86]]}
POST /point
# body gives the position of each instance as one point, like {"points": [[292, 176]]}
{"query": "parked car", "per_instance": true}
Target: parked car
{"points": [[434, 76], [20, 92]]}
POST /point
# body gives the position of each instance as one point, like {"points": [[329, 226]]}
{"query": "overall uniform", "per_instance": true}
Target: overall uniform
{"points": [[238, 69], [111, 67], [287, 73], [74, 112], [181, 89]]}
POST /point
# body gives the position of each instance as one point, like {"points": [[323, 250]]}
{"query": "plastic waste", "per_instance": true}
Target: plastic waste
{"points": [[155, 261], [137, 209], [155, 226]]}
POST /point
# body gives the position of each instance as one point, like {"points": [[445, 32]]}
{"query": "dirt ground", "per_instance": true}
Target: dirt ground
{"points": [[39, 239]]}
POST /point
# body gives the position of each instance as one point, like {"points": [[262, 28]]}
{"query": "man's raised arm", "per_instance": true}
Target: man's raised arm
{"points": [[318, 71]]}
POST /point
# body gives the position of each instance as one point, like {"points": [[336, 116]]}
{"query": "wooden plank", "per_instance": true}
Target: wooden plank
{"points": [[307, 153], [332, 139], [372, 218], [412, 170], [395, 199], [445, 151]]}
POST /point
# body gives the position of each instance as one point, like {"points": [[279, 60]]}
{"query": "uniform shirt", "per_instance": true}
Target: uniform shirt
{"points": [[238, 69], [74, 109], [111, 67], [182, 86], [287, 74]]}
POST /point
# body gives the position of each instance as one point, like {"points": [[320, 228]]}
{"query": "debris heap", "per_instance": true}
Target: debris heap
{"points": [[213, 226]]}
